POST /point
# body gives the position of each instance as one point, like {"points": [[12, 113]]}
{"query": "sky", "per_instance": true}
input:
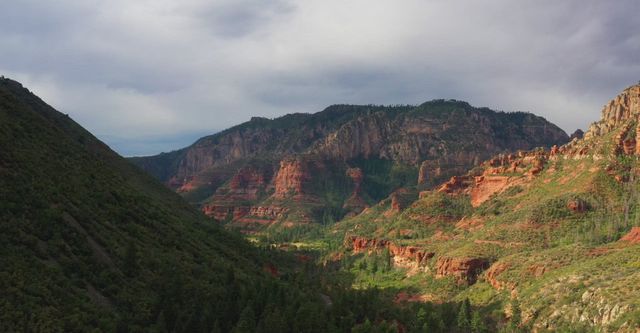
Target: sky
{"points": [[147, 76]]}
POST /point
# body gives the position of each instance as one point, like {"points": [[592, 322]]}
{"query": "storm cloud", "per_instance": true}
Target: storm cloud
{"points": [[153, 75]]}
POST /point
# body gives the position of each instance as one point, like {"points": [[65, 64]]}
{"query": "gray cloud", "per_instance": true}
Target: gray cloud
{"points": [[150, 75], [239, 18]]}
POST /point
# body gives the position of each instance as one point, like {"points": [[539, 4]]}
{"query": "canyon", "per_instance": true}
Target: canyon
{"points": [[290, 169]]}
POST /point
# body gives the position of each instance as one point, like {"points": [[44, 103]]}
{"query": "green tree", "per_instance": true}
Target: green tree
{"points": [[477, 323], [272, 321], [365, 327], [374, 265], [438, 321], [247, 321], [216, 327], [131, 259], [422, 321], [386, 260], [464, 315]]}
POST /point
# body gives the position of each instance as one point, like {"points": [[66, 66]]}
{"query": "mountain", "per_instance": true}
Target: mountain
{"points": [[88, 242], [91, 243], [548, 237], [303, 168]]}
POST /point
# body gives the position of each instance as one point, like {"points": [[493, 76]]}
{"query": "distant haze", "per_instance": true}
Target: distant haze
{"points": [[153, 75]]}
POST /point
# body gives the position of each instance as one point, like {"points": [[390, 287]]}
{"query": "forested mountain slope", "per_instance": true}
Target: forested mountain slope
{"points": [[88, 241]]}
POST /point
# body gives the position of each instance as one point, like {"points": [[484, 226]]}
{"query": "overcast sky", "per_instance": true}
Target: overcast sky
{"points": [[153, 75]]}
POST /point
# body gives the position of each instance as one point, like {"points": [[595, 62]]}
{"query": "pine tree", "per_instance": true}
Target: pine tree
{"points": [[464, 315], [386, 260], [374, 265], [365, 327], [272, 321], [216, 328], [421, 316], [477, 323], [247, 321], [131, 260], [438, 320]]}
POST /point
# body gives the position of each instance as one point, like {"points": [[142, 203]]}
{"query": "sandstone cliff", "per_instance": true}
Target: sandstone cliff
{"points": [[618, 111], [306, 158]]}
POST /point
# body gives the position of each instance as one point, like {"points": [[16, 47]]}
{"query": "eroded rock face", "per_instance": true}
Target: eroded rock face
{"points": [[401, 199], [355, 203], [455, 184], [633, 236], [624, 143], [268, 212], [207, 153], [292, 177], [618, 111], [262, 216], [423, 173], [362, 244], [485, 187], [492, 275], [502, 172], [465, 270], [233, 201], [339, 135], [404, 256]]}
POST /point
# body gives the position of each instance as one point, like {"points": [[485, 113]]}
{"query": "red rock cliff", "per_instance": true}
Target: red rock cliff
{"points": [[355, 203], [465, 270], [247, 186], [412, 253], [619, 110], [292, 178]]}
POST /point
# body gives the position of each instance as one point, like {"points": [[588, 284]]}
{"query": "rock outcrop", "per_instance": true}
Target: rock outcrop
{"points": [[577, 134], [308, 149], [618, 111], [633, 236], [494, 272], [355, 203], [401, 199], [292, 178], [485, 187], [233, 201], [455, 184], [403, 256], [464, 270], [423, 173]]}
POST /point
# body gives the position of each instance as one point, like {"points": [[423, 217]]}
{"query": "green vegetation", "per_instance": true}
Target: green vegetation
{"points": [[384, 176], [552, 239], [89, 243]]}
